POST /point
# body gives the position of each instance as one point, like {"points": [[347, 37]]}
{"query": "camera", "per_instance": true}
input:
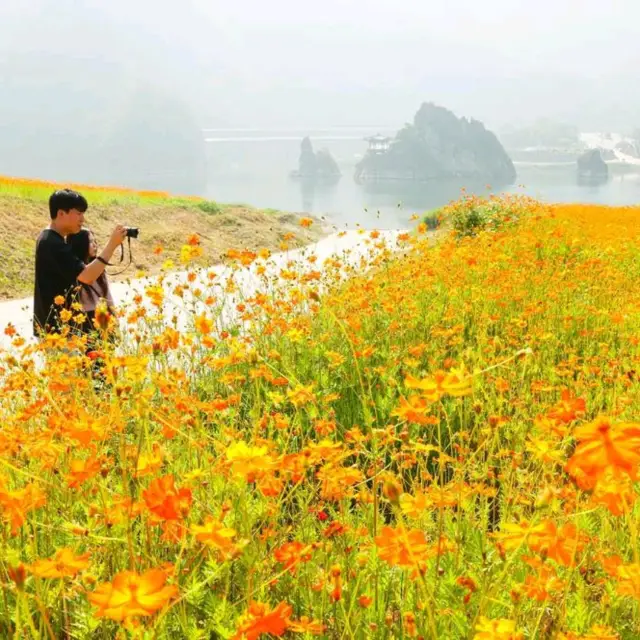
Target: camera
{"points": [[132, 232]]}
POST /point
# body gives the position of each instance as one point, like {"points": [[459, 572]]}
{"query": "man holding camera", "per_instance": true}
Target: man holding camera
{"points": [[58, 270]]}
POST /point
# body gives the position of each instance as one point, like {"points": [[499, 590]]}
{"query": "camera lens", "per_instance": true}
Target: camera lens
{"points": [[132, 232]]}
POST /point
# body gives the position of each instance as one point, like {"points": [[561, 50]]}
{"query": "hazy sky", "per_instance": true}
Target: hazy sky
{"points": [[295, 62]]}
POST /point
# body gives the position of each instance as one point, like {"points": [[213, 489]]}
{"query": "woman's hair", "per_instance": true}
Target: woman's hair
{"points": [[79, 243]]}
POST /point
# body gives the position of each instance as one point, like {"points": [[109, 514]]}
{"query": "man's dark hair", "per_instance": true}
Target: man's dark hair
{"points": [[65, 200]]}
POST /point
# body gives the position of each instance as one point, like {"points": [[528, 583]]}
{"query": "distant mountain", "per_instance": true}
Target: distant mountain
{"points": [[439, 145], [543, 133]]}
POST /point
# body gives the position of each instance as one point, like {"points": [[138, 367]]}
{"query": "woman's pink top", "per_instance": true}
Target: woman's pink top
{"points": [[91, 294]]}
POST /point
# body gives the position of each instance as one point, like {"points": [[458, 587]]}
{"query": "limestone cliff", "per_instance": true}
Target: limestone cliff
{"points": [[439, 145]]}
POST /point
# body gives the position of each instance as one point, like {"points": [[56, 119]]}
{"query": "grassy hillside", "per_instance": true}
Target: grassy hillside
{"points": [[444, 445], [165, 223]]}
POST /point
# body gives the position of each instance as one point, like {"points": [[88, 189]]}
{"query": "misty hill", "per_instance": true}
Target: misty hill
{"points": [[543, 133], [80, 102], [439, 145]]}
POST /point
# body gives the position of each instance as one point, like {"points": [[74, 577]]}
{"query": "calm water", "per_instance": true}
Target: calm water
{"points": [[253, 167]]}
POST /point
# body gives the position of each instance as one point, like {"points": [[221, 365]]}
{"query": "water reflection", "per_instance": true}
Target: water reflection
{"points": [[388, 205], [391, 205], [258, 174], [426, 195]]}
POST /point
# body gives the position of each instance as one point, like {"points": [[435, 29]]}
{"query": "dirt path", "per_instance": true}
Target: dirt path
{"points": [[350, 246]]}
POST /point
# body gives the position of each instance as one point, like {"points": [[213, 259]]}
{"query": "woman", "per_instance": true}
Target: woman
{"points": [[91, 296]]}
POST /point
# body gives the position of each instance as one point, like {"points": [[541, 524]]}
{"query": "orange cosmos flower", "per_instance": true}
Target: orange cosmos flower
{"points": [[514, 536], [499, 629], [63, 565], [148, 463], [610, 564], [541, 586], [301, 395], [249, 462], [629, 580], [569, 408], [559, 544], [603, 445], [401, 548], [413, 409], [615, 491], [409, 624], [17, 575], [14, 505], [337, 482], [216, 536], [335, 594], [131, 595], [81, 470], [259, 620], [155, 293], [454, 383], [189, 252], [414, 506], [544, 450], [306, 625], [599, 632], [324, 450], [165, 500], [203, 324], [306, 222], [122, 509], [291, 554]]}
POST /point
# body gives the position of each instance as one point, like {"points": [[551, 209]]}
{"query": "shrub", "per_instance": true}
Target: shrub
{"points": [[209, 206], [473, 214], [432, 219]]}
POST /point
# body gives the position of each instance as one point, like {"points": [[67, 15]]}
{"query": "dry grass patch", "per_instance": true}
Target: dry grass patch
{"points": [[164, 224]]}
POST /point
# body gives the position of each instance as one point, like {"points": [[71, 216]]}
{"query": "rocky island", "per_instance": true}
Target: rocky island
{"points": [[592, 169], [437, 145], [316, 167]]}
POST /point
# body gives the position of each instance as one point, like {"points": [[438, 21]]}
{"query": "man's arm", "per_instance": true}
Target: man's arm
{"points": [[95, 268]]}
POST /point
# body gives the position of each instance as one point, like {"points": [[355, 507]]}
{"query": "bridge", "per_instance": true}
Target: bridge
{"points": [[319, 134]]}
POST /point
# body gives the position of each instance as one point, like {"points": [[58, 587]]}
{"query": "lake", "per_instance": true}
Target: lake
{"points": [[252, 167]]}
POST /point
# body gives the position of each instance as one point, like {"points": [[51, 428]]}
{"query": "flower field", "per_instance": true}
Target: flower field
{"points": [[444, 445], [42, 189]]}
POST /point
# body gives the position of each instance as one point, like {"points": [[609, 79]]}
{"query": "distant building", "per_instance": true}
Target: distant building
{"points": [[378, 144]]}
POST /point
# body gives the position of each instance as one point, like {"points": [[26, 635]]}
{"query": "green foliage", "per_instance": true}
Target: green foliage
{"points": [[209, 206], [432, 219], [473, 215]]}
